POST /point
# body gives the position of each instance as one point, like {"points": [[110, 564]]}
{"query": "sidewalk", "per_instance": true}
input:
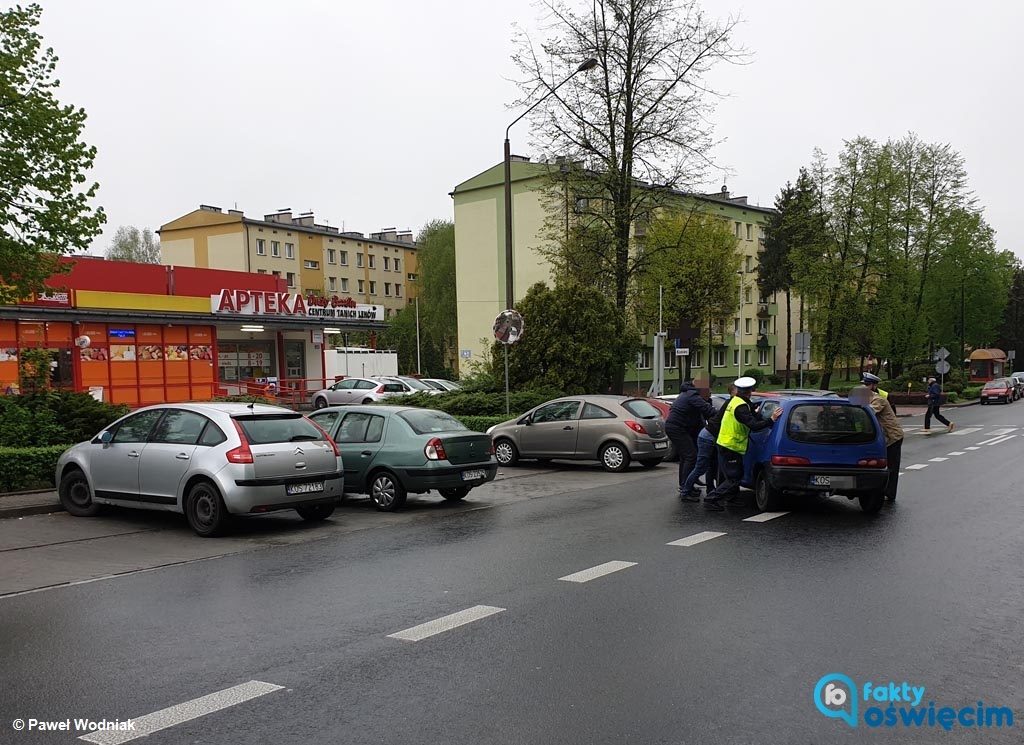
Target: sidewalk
{"points": [[32, 503], [905, 411]]}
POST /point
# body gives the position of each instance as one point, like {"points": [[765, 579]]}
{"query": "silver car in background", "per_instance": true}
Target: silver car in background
{"points": [[208, 461], [358, 391], [442, 385], [613, 430]]}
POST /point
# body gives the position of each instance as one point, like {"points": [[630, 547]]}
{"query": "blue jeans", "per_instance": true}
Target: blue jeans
{"points": [[705, 465]]}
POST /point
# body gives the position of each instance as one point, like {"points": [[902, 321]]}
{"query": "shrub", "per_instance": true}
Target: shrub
{"points": [[844, 389], [811, 377], [481, 423], [52, 418], [952, 397], [773, 379], [28, 467], [756, 373], [462, 404], [972, 391]]}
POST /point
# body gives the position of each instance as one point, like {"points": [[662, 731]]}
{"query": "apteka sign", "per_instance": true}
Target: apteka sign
{"points": [[261, 303]]}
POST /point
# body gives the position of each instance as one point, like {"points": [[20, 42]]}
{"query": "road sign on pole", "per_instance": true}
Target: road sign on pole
{"points": [[682, 351], [941, 353], [803, 340], [942, 367]]}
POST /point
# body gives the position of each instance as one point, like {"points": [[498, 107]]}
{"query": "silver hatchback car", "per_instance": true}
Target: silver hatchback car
{"points": [[611, 429], [208, 461]]}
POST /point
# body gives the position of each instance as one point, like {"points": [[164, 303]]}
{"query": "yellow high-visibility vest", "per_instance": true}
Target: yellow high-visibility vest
{"points": [[733, 435], [883, 394]]}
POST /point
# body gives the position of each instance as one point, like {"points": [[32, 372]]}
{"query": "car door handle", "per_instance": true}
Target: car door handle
{"points": [[182, 456], [566, 428], [133, 453], [367, 452]]}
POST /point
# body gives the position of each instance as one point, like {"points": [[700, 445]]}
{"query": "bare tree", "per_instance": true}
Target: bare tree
{"points": [[637, 128]]}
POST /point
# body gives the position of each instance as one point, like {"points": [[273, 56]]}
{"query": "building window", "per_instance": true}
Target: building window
{"points": [[736, 325], [747, 296], [643, 359], [344, 258], [398, 264], [289, 250], [277, 273], [275, 249], [746, 357], [750, 232], [746, 325], [387, 288], [311, 264], [750, 264], [261, 271], [387, 264], [330, 256], [291, 279], [762, 325], [735, 358], [398, 290], [332, 284], [359, 260], [762, 357], [695, 355], [372, 264], [718, 358], [344, 284], [739, 229], [261, 247], [362, 287], [373, 287]]}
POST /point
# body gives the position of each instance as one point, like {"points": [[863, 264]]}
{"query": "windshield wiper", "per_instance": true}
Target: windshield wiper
{"points": [[297, 438]]}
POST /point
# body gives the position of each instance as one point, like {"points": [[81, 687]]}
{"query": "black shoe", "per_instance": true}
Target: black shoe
{"points": [[715, 505], [689, 497], [700, 482]]}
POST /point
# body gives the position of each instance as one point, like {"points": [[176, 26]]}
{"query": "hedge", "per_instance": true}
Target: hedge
{"points": [[481, 423], [460, 404], [972, 391], [28, 468], [53, 418]]}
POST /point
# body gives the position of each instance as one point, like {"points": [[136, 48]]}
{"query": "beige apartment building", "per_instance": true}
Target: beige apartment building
{"points": [[379, 269]]}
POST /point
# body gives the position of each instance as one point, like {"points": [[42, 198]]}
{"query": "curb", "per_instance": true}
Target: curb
{"points": [[29, 509]]}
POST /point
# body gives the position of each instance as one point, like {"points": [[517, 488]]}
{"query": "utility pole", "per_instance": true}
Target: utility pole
{"points": [[963, 328], [419, 371]]}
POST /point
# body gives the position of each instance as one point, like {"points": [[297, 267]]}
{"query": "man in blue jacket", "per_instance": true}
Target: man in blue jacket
{"points": [[934, 399], [685, 420]]}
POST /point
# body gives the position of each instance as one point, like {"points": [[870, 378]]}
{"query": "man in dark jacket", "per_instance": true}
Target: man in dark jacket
{"points": [[686, 419], [934, 400]]}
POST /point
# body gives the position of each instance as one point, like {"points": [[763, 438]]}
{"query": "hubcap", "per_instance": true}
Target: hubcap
{"points": [[383, 491], [503, 452], [79, 494], [613, 457], [320, 403], [203, 508]]}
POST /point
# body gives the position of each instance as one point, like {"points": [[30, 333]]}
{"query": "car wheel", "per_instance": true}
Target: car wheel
{"points": [[386, 493], [614, 457], [315, 512], [319, 402], [76, 496], [455, 493], [766, 498], [367, 401], [650, 462], [872, 502], [205, 510], [505, 452], [982, 402]]}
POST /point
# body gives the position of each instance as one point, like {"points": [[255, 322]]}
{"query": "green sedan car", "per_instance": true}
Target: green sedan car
{"points": [[391, 451]]}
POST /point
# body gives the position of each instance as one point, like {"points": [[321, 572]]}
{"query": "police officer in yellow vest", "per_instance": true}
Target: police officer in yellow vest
{"points": [[872, 382], [738, 421]]}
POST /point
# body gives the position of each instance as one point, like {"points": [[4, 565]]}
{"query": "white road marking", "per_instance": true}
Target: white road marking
{"points": [[902, 473], [957, 452], [197, 707], [445, 623], [937, 460], [693, 540], [599, 571], [999, 440], [764, 517], [965, 431], [973, 447], [917, 466], [997, 435]]}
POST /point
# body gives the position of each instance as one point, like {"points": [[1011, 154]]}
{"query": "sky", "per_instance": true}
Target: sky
{"points": [[369, 113]]}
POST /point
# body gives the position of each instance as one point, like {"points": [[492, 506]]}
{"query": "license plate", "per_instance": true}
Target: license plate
{"points": [[660, 445], [821, 481], [309, 487], [473, 475]]}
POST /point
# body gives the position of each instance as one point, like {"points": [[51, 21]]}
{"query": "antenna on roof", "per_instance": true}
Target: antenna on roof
{"points": [[252, 406]]}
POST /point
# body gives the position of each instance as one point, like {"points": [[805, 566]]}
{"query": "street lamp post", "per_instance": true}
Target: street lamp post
{"points": [[739, 331], [589, 64]]}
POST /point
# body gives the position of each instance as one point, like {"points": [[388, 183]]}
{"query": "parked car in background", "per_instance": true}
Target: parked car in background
{"points": [[818, 445], [358, 391], [1017, 379], [441, 384], [998, 390], [412, 385], [206, 460], [392, 451], [613, 430], [808, 392]]}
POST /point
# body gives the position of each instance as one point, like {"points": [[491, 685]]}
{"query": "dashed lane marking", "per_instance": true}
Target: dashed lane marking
{"points": [[197, 707], [764, 517], [937, 460], [917, 466], [693, 540], [957, 452], [599, 571], [445, 623], [973, 447]]}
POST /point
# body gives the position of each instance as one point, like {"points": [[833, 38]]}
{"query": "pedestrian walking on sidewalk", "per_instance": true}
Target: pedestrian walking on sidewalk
{"points": [[934, 400], [738, 421], [686, 419], [890, 428]]}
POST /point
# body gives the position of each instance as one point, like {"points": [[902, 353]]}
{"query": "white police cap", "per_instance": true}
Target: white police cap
{"points": [[745, 382]]}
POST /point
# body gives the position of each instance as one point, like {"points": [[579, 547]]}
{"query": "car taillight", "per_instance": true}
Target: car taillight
{"points": [[790, 460], [636, 427], [490, 448], [873, 463], [379, 389], [435, 450], [242, 453], [332, 443]]}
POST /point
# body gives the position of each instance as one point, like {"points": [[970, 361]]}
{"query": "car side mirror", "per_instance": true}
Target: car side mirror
{"points": [[106, 436]]}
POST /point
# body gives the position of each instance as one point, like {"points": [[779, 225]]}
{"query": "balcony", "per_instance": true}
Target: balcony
{"points": [[766, 341]]}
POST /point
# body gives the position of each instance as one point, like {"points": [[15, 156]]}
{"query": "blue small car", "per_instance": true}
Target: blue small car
{"points": [[818, 445]]}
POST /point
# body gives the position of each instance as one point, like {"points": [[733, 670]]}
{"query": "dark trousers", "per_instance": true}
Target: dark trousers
{"points": [[730, 469], [893, 454], [933, 411], [686, 448]]}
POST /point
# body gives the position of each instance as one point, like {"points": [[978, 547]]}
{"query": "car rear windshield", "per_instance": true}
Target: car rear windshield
{"points": [[427, 421], [640, 408], [996, 384], [831, 424], [415, 383], [271, 428]]}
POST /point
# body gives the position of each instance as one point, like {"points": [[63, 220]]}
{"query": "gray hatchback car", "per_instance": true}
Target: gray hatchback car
{"points": [[208, 461], [613, 430]]}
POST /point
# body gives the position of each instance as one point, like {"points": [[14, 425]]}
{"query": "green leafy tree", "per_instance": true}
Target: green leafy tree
{"points": [[1011, 332], [44, 200], [132, 244], [571, 342]]}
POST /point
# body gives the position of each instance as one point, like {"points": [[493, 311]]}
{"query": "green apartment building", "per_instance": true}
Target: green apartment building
{"points": [[749, 339]]}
